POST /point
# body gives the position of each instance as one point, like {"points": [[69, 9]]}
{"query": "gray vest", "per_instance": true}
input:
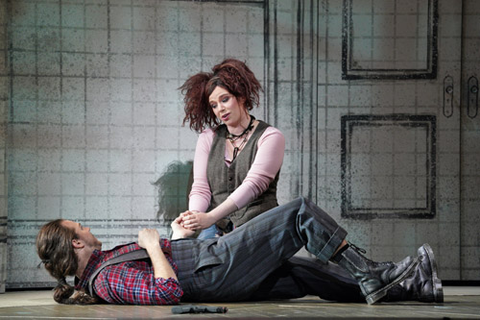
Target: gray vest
{"points": [[223, 180]]}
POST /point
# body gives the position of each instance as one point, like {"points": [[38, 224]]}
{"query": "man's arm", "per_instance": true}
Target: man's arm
{"points": [[126, 284], [150, 240], [180, 232], [137, 284]]}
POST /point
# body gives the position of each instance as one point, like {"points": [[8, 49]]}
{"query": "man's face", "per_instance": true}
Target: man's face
{"points": [[83, 234]]}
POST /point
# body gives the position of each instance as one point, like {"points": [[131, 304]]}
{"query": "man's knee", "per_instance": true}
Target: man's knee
{"points": [[302, 200]]}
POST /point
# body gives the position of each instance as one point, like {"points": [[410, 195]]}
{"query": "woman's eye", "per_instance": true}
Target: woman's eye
{"points": [[213, 106], [225, 99]]}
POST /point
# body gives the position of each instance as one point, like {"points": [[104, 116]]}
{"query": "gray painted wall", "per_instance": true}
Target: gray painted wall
{"points": [[94, 119], [3, 126]]}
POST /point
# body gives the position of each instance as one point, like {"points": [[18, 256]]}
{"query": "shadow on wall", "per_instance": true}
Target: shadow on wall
{"points": [[173, 189]]}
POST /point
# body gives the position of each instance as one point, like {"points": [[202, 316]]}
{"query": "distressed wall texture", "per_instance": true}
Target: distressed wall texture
{"points": [[95, 115], [3, 127], [89, 93], [470, 142]]}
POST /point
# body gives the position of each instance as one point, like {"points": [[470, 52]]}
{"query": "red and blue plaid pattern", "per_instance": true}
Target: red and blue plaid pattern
{"points": [[132, 282]]}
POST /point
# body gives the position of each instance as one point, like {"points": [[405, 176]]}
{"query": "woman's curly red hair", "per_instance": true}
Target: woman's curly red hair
{"points": [[232, 75]]}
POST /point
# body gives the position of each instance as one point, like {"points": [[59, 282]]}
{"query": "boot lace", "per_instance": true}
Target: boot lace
{"points": [[363, 251], [358, 249]]}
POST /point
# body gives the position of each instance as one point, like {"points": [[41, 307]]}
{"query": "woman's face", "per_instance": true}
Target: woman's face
{"points": [[227, 107]]}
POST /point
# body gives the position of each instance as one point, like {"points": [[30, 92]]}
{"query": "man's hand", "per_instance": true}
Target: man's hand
{"points": [[148, 238], [180, 232], [196, 220]]}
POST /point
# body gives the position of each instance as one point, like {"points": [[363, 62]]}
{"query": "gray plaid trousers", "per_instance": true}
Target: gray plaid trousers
{"points": [[232, 267]]}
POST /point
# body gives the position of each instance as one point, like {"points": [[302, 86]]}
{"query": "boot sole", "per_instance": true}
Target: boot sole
{"points": [[379, 294], [436, 282]]}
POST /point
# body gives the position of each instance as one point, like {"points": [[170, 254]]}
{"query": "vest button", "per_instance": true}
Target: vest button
{"points": [[230, 178]]}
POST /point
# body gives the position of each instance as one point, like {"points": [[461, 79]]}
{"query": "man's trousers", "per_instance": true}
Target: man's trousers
{"points": [[301, 276], [235, 267]]}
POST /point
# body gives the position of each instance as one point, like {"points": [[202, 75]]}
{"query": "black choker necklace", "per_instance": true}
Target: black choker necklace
{"points": [[232, 136]]}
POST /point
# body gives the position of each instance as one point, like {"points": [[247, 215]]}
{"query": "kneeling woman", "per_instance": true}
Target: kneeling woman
{"points": [[237, 158]]}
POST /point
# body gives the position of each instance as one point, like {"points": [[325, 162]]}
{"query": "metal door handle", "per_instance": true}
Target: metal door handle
{"points": [[472, 97], [448, 96]]}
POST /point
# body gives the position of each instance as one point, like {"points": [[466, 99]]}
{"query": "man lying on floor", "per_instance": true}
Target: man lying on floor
{"points": [[255, 261]]}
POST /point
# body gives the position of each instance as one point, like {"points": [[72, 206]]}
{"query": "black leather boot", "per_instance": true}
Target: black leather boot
{"points": [[374, 278], [423, 284]]}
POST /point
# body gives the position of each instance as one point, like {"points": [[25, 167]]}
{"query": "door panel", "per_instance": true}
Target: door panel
{"points": [[382, 153], [403, 159], [470, 142]]}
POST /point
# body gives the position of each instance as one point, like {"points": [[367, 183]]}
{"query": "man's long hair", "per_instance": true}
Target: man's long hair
{"points": [[55, 249]]}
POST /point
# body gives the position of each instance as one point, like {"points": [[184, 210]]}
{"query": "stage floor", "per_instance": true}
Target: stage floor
{"points": [[460, 303]]}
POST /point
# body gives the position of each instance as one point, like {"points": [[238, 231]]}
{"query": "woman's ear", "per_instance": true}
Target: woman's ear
{"points": [[241, 102]]}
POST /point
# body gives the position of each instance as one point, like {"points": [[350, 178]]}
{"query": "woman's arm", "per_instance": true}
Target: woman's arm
{"points": [[195, 220], [179, 232], [266, 165], [200, 195]]}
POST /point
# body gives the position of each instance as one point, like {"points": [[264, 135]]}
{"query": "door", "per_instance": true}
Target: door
{"points": [[470, 142], [400, 156], [376, 116]]}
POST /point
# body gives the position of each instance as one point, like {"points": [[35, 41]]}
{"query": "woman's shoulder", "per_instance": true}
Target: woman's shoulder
{"points": [[207, 133], [212, 131], [272, 135], [271, 130], [268, 126], [206, 136]]}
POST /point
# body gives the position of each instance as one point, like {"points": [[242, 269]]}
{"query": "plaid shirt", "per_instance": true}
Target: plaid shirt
{"points": [[131, 282]]}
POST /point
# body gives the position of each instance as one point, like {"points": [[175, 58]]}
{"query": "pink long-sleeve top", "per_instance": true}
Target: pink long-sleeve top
{"points": [[267, 163]]}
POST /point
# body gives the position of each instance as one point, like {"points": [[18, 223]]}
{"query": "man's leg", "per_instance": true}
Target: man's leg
{"points": [[232, 267], [301, 276], [423, 284]]}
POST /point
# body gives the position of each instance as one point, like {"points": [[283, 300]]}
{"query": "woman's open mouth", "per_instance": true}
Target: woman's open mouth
{"points": [[225, 117]]}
